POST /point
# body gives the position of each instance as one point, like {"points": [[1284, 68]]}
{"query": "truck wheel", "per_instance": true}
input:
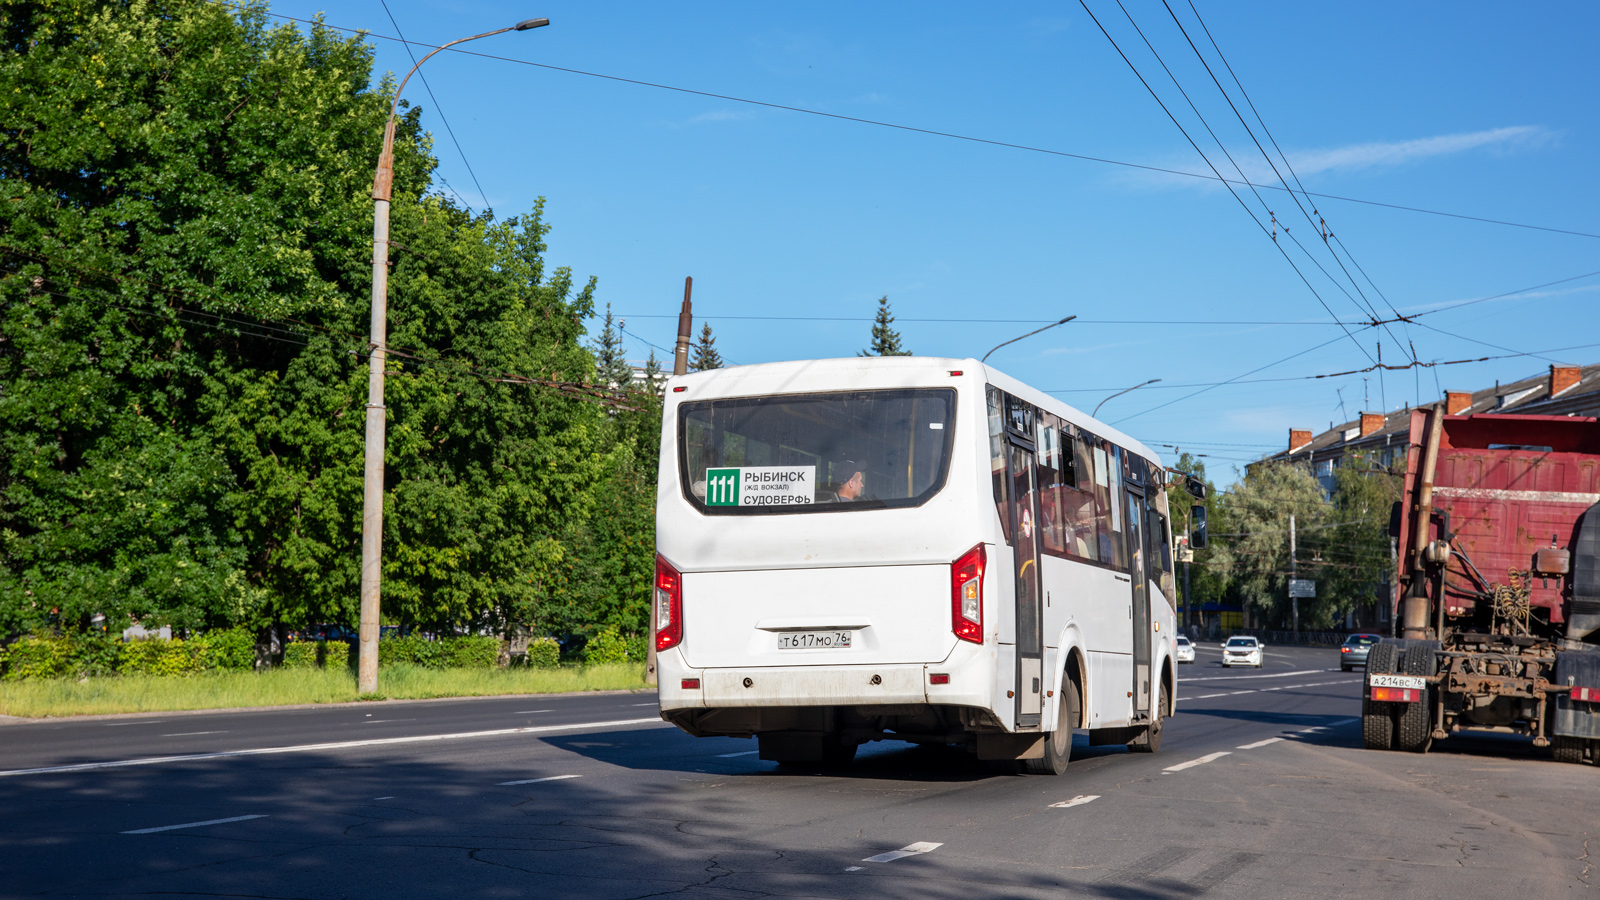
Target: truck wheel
{"points": [[1058, 743], [1150, 741], [1377, 719], [1567, 749], [1415, 724]]}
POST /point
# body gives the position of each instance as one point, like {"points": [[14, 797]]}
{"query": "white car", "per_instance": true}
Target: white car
{"points": [[1183, 649], [1243, 651]]}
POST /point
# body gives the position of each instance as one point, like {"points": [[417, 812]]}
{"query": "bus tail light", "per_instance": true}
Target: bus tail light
{"points": [[669, 605], [966, 595]]}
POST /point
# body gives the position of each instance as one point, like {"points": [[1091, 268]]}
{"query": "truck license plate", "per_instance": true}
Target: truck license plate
{"points": [[1415, 682], [802, 640]]}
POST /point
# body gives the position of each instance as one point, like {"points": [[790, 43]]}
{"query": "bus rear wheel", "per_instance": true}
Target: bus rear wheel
{"points": [[1058, 743], [1150, 741]]}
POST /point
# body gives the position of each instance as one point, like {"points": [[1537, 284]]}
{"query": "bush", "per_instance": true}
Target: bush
{"points": [[95, 653], [234, 649], [334, 655], [471, 652], [611, 646], [157, 657], [38, 656], [544, 653]]}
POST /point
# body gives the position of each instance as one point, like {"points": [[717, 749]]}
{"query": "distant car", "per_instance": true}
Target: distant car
{"points": [[1243, 651], [1185, 649], [1353, 652]]}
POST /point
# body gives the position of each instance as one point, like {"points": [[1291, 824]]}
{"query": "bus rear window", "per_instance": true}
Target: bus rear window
{"points": [[815, 452]]}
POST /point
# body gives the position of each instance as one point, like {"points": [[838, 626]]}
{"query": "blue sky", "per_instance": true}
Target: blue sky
{"points": [[1474, 109]]}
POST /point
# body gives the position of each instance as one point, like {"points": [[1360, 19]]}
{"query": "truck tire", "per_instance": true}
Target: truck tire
{"points": [[1415, 721], [1150, 741], [1567, 749], [1377, 719], [1058, 743]]}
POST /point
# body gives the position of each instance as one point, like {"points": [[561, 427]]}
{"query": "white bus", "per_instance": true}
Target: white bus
{"points": [[907, 548]]}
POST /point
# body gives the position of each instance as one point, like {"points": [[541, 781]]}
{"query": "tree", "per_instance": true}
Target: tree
{"points": [[703, 355], [1207, 582], [183, 305], [1350, 559], [1256, 555], [610, 361], [885, 340], [653, 376]]}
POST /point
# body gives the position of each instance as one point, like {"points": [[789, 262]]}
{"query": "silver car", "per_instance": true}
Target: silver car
{"points": [[1353, 652]]}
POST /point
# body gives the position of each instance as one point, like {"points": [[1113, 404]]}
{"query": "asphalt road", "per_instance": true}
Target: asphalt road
{"points": [[1260, 790]]}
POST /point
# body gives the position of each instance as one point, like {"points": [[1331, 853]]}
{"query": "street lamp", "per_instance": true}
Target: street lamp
{"points": [[372, 488], [1119, 394], [1028, 335]]}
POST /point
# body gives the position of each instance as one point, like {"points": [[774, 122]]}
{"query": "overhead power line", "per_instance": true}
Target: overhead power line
{"points": [[931, 132]]}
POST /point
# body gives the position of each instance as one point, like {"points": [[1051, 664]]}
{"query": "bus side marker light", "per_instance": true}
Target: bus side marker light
{"points": [[938, 679], [1396, 695], [1591, 695], [691, 684], [956, 373], [966, 595], [679, 389]]}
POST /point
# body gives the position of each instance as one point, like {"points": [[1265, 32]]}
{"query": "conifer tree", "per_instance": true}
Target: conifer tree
{"points": [[885, 340], [610, 360], [653, 376], [704, 354]]}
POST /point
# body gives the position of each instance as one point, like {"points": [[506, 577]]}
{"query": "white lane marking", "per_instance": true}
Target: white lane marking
{"points": [[145, 722], [855, 868], [537, 780], [336, 745], [1209, 757], [1243, 677], [1285, 687], [740, 753], [376, 721], [1079, 800], [903, 852], [191, 825], [382, 798], [1258, 744], [192, 733], [1317, 728], [656, 703], [528, 712]]}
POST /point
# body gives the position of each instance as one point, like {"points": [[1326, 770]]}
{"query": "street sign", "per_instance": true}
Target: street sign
{"points": [[1302, 587]]}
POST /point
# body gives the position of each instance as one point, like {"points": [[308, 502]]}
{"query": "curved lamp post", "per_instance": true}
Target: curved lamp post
{"points": [[372, 488], [1028, 335], [1119, 394]]}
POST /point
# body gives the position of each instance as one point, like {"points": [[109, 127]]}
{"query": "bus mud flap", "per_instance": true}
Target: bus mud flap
{"points": [[1011, 746]]}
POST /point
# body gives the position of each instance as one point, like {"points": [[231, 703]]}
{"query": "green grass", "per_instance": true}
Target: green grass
{"points": [[278, 687]]}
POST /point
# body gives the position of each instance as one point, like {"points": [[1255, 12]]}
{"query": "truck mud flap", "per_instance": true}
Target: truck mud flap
{"points": [[1575, 718]]}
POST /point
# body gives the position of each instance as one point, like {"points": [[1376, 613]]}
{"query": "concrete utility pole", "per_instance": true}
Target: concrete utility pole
{"points": [[372, 487], [680, 358], [680, 366], [1294, 599]]}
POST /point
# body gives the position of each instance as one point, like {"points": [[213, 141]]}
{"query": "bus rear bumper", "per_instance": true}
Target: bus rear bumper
{"points": [[812, 686]]}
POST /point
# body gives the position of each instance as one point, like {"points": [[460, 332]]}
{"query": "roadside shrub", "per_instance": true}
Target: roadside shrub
{"points": [[38, 656], [412, 649], [611, 646], [95, 654], [300, 654], [334, 655], [472, 652], [233, 649], [544, 653], [157, 657]]}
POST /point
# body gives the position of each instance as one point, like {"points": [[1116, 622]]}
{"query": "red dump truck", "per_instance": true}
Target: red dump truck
{"points": [[1498, 603]]}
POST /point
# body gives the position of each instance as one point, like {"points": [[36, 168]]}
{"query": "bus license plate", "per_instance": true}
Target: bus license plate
{"points": [[801, 640]]}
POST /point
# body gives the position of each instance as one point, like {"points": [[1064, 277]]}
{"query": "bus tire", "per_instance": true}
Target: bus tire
{"points": [[1415, 724], [1567, 749], [1058, 743], [1150, 741], [1377, 719]]}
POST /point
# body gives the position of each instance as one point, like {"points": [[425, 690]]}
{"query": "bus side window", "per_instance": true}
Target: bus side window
{"points": [[1048, 464], [997, 456], [1079, 533]]}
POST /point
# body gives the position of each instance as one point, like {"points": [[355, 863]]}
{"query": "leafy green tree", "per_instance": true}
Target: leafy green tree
{"points": [[183, 302], [1350, 558], [703, 356], [885, 340], [1255, 556], [1207, 582]]}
